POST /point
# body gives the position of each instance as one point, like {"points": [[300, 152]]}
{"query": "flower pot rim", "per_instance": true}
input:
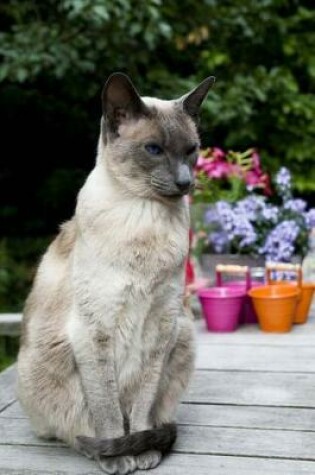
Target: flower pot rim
{"points": [[223, 292]]}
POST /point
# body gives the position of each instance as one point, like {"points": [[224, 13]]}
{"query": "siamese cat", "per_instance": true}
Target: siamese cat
{"points": [[107, 347]]}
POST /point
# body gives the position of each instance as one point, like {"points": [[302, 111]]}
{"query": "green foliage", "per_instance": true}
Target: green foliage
{"points": [[76, 37], [56, 55], [261, 52], [9, 347], [18, 261], [210, 192]]}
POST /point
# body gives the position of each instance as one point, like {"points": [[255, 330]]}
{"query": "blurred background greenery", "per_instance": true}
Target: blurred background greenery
{"points": [[55, 57]]}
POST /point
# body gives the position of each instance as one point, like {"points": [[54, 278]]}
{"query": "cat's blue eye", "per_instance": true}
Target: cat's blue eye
{"points": [[154, 149]]}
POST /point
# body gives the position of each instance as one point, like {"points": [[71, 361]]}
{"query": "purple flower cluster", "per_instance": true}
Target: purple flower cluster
{"points": [[283, 181], [295, 205], [219, 241], [244, 231], [211, 215], [226, 216], [250, 206], [256, 209], [233, 223], [310, 218], [280, 242], [270, 213], [256, 225]]}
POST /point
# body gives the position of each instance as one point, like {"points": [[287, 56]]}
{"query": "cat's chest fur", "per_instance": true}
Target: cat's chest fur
{"points": [[128, 270], [135, 241]]}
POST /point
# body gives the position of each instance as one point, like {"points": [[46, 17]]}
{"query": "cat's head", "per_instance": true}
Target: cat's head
{"points": [[151, 144]]}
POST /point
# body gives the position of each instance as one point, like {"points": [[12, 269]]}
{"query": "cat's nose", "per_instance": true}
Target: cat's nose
{"points": [[183, 184], [183, 180]]}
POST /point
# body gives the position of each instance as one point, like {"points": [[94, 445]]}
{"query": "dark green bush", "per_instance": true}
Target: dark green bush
{"points": [[9, 347], [55, 57], [261, 52], [18, 262]]}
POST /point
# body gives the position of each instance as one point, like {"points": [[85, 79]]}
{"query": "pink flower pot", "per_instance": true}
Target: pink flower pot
{"points": [[222, 307], [248, 314]]}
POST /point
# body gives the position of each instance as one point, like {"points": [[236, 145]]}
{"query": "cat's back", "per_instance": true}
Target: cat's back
{"points": [[50, 296]]}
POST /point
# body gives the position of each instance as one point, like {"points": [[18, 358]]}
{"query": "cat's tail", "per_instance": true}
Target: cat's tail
{"points": [[161, 438]]}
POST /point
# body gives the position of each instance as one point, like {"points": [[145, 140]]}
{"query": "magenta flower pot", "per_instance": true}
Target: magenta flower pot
{"points": [[248, 314], [222, 307]]}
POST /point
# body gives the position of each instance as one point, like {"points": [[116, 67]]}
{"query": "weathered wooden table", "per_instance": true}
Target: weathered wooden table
{"points": [[250, 410]]}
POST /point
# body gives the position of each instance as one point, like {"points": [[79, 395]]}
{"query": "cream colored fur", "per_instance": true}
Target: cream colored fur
{"points": [[107, 344]]}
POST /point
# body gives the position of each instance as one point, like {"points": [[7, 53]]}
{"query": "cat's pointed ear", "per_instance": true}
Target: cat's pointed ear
{"points": [[192, 101], [121, 101]]}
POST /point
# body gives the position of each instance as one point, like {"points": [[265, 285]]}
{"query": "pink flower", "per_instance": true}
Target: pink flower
{"points": [[252, 178], [201, 161], [256, 161], [219, 170], [217, 153], [214, 164], [217, 167], [265, 179]]}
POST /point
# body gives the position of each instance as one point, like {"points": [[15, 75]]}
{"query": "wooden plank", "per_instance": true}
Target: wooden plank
{"points": [[227, 388], [249, 388], [7, 387], [246, 442], [247, 417], [228, 430], [10, 324], [301, 335], [19, 432], [13, 410], [226, 416], [199, 440], [258, 358], [17, 460]]}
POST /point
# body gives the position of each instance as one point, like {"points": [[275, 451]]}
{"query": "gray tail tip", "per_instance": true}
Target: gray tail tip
{"points": [[85, 446]]}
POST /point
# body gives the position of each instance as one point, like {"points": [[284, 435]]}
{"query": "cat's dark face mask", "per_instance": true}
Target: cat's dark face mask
{"points": [[152, 145], [167, 156]]}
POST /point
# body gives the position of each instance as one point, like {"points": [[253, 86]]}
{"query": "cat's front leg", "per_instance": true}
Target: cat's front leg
{"points": [[140, 418], [94, 355], [141, 410], [176, 374], [118, 465]]}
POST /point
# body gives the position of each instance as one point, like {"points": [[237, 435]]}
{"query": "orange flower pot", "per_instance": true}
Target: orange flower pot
{"points": [[307, 290], [304, 304], [275, 306]]}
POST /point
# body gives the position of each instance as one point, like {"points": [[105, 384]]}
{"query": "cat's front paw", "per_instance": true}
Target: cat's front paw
{"points": [[149, 459], [118, 465]]}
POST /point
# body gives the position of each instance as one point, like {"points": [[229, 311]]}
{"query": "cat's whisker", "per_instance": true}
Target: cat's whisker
{"points": [[157, 180], [162, 188], [159, 185]]}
